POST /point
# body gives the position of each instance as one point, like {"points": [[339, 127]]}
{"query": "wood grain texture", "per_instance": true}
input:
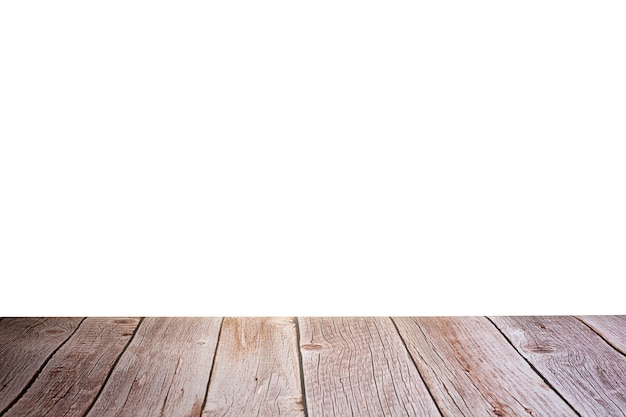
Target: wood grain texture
{"points": [[611, 328], [472, 370], [256, 370], [313, 367], [360, 367], [587, 371], [163, 372], [25, 345], [72, 378]]}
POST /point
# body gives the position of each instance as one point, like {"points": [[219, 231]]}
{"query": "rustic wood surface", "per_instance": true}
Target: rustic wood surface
{"points": [[256, 370], [588, 372], [25, 346], [474, 371], [313, 366], [163, 372], [359, 366], [611, 328], [70, 381]]}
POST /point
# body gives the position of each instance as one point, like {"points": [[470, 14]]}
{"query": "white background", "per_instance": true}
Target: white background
{"points": [[312, 158]]}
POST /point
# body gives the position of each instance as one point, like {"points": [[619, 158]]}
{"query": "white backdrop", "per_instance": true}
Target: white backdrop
{"points": [[320, 158]]}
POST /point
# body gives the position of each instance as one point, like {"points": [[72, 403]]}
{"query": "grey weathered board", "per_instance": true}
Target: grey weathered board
{"points": [[588, 372], [313, 366], [256, 370], [611, 328], [359, 366], [25, 346], [163, 372], [473, 371], [71, 379]]}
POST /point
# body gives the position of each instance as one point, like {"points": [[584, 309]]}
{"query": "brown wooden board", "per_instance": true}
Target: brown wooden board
{"points": [[611, 328], [577, 362], [26, 343], [312, 367], [256, 370], [163, 372], [72, 378], [360, 367], [472, 370]]}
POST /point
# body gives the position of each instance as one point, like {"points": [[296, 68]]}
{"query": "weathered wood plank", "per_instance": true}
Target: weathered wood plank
{"points": [[25, 345], [586, 371], [72, 378], [163, 372], [611, 328], [360, 367], [472, 370], [256, 370]]}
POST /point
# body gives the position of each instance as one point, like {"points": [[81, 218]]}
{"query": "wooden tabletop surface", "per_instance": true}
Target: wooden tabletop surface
{"points": [[499, 366]]}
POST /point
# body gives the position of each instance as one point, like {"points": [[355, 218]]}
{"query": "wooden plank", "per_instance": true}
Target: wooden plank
{"points": [[256, 370], [360, 367], [26, 343], [611, 328], [586, 371], [72, 378], [163, 372], [472, 370]]}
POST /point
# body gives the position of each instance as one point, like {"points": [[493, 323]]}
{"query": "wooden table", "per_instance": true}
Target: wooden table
{"points": [[313, 366]]}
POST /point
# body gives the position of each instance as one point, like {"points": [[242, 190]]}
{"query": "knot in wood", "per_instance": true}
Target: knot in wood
{"points": [[312, 346]]}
